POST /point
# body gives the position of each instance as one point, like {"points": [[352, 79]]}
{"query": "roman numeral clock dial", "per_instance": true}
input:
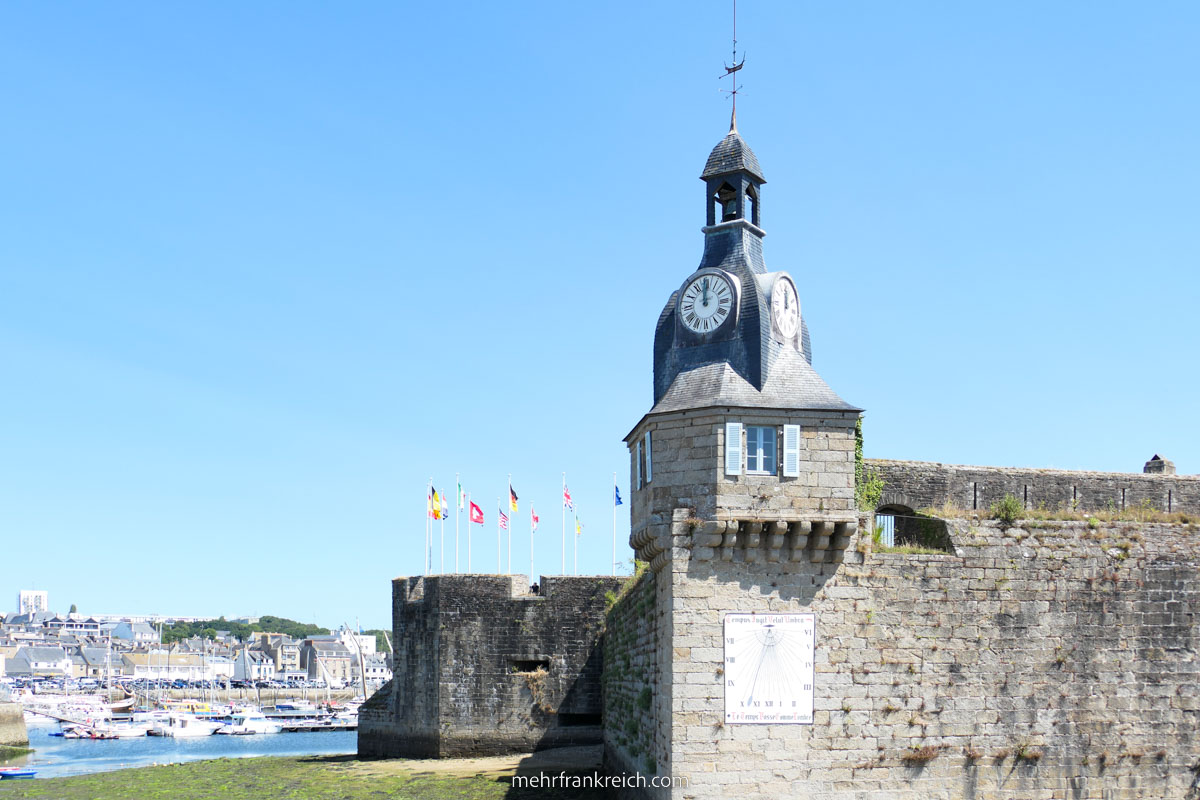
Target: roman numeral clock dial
{"points": [[706, 303]]}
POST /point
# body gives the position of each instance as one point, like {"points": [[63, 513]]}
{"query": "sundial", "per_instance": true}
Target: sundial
{"points": [[769, 668]]}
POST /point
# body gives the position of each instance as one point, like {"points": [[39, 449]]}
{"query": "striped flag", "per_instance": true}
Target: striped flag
{"points": [[503, 521], [512, 499]]}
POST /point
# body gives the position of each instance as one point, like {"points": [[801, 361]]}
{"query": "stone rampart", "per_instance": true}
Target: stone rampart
{"points": [[1052, 659], [633, 666], [12, 726], [484, 667], [914, 485]]}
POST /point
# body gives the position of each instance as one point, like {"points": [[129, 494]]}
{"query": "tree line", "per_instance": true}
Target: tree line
{"points": [[207, 629]]}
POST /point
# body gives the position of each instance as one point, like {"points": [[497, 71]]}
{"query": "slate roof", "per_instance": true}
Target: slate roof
{"points": [[791, 384], [730, 155], [43, 653]]}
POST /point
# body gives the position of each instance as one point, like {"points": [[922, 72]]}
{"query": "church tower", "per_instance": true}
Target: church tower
{"points": [[743, 507]]}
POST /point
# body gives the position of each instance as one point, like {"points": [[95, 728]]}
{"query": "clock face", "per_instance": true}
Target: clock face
{"points": [[785, 307], [706, 303]]}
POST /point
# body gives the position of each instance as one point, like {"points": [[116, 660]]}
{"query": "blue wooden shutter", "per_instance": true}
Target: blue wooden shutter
{"points": [[637, 460], [791, 451], [733, 448], [649, 469]]}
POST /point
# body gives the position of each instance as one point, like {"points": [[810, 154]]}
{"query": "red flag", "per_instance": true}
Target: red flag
{"points": [[567, 499], [476, 514], [503, 521], [533, 519]]}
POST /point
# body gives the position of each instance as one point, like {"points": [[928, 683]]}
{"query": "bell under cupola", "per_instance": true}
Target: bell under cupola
{"points": [[733, 332], [733, 181]]}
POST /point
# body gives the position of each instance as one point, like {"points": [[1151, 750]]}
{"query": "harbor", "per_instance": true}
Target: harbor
{"points": [[81, 734], [58, 756]]}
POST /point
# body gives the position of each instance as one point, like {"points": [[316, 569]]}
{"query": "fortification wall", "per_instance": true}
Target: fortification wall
{"points": [[925, 484], [1048, 660], [12, 726], [636, 675], [483, 667]]}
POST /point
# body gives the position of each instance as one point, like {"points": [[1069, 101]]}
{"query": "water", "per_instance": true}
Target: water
{"points": [[54, 757]]}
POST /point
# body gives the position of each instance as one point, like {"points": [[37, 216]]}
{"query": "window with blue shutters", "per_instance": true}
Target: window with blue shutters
{"points": [[760, 449]]}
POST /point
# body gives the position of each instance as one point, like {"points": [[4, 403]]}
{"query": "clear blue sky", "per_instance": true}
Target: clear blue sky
{"points": [[267, 267]]}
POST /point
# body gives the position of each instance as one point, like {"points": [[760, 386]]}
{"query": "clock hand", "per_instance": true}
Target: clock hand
{"points": [[704, 286]]}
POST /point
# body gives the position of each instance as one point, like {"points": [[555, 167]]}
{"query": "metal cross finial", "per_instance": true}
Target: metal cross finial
{"points": [[729, 70]]}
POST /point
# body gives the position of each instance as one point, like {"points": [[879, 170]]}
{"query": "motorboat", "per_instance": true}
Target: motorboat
{"points": [[184, 726], [249, 722]]}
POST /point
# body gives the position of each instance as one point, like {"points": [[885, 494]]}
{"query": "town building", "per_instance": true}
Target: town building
{"points": [[31, 601]]}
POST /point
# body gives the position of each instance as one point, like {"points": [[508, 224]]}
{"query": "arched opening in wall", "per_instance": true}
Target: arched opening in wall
{"points": [[900, 526], [885, 523]]}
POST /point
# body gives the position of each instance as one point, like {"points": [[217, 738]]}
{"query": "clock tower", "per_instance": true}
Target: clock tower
{"points": [[743, 503], [743, 433]]}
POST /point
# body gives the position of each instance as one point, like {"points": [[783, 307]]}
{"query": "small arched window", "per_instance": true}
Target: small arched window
{"points": [[752, 203]]}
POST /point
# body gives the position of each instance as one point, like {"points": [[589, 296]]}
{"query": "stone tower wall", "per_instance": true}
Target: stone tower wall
{"points": [[483, 667], [688, 471], [1047, 660]]}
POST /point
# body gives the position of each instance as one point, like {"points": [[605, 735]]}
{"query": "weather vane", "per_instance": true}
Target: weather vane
{"points": [[729, 70]]}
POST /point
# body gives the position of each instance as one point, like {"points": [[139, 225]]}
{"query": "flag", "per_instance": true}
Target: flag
{"points": [[437, 506], [462, 498], [503, 521], [618, 491], [533, 519], [429, 503], [567, 499], [578, 528], [476, 514], [445, 507], [512, 499]]}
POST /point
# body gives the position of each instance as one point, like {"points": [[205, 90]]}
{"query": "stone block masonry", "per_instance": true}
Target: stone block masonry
{"points": [[12, 726], [483, 667], [922, 484], [1051, 659]]}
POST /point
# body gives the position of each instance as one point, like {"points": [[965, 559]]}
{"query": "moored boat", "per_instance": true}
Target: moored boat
{"points": [[184, 726], [16, 773], [249, 722]]}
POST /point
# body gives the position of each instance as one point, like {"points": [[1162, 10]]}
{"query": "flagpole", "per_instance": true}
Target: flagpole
{"points": [[458, 517], [498, 545], [531, 578], [429, 534], [511, 522], [564, 526], [576, 516], [614, 553], [468, 532], [442, 546]]}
